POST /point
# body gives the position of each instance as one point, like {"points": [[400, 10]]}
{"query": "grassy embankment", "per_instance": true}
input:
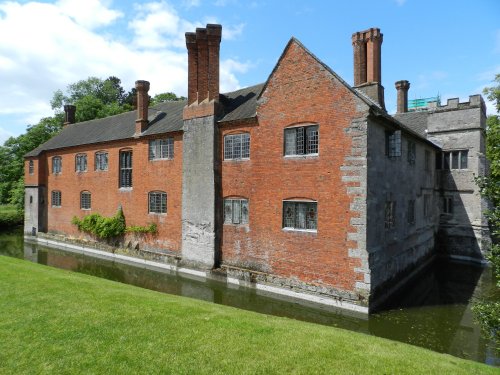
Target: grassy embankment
{"points": [[10, 216], [55, 321]]}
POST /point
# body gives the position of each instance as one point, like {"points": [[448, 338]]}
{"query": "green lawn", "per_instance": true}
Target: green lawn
{"points": [[10, 216], [56, 322]]}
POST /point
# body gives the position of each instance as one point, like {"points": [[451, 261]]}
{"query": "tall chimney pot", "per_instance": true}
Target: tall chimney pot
{"points": [[69, 114], [141, 123], [402, 87]]}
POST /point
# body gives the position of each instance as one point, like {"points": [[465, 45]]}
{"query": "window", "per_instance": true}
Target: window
{"points": [[235, 211], [85, 200], [410, 214], [427, 206], [125, 169], [300, 215], [56, 198], [427, 162], [56, 164], [31, 167], [161, 149], [393, 143], [390, 214], [411, 155], [157, 202], [237, 146], [81, 162], [302, 140], [452, 160], [448, 205], [101, 161]]}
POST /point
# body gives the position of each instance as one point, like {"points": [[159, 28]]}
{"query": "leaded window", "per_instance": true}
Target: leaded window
{"points": [[31, 167], [85, 200], [390, 214], [452, 160], [410, 215], [56, 164], [235, 211], [161, 149], [125, 169], [393, 143], [81, 162], [302, 140], [300, 215], [157, 202], [56, 198], [237, 146], [101, 161], [411, 155]]}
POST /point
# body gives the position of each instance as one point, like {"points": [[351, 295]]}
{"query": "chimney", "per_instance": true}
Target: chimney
{"points": [[141, 123], [402, 87], [203, 48], [367, 48], [69, 114]]}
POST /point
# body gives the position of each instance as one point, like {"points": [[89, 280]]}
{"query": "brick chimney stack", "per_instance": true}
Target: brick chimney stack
{"points": [[203, 47], [69, 114], [402, 87], [141, 123], [367, 48]]}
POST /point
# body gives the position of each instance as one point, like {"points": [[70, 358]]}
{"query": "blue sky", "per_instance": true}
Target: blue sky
{"points": [[446, 47]]}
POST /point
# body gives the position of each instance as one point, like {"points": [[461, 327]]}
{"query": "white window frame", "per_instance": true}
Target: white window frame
{"points": [[301, 141], [101, 161], [56, 165], [86, 200], [309, 225], [125, 176], [237, 146], [157, 202], [81, 162], [161, 149], [236, 211]]}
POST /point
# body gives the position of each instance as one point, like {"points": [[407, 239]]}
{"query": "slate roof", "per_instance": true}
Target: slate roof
{"points": [[163, 118], [416, 121]]}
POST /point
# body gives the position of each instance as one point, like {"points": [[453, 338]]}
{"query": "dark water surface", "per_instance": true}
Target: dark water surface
{"points": [[433, 312]]}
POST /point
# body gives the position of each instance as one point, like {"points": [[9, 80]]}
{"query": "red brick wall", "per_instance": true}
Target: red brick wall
{"points": [[300, 90], [162, 175], [39, 171]]}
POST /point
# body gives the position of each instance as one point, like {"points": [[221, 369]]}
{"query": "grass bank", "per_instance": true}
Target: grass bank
{"points": [[10, 216], [55, 321]]}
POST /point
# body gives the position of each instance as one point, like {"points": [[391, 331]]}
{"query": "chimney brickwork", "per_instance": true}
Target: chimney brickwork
{"points": [[141, 123], [402, 87], [69, 114]]}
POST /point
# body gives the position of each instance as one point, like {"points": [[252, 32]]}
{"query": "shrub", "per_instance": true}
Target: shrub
{"points": [[101, 226]]}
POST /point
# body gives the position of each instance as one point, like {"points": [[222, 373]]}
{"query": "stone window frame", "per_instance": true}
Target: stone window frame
{"points": [[56, 198], [31, 167], [125, 168], [236, 211], [292, 211], [447, 202], [393, 144], [453, 159], [56, 164], [85, 200], [161, 149], [411, 154], [301, 140], [157, 202], [101, 161], [237, 146], [390, 214], [81, 162]]}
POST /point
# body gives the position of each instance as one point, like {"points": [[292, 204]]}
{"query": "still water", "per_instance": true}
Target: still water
{"points": [[433, 312]]}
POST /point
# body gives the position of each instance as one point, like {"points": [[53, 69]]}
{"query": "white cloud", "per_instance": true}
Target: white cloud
{"points": [[53, 49], [89, 13], [232, 32]]}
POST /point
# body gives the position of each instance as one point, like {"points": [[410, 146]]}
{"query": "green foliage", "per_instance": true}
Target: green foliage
{"points": [[488, 314], [493, 92], [151, 228], [165, 97], [10, 216], [100, 226]]}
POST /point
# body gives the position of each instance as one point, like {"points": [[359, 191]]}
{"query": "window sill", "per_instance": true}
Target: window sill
{"points": [[86, 209], [157, 213], [306, 156], [314, 231], [100, 170], [125, 189], [160, 159], [237, 160]]}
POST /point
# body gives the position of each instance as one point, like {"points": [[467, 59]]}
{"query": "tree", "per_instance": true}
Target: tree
{"points": [[488, 311], [165, 97]]}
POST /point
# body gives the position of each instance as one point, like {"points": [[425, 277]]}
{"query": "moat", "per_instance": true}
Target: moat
{"points": [[433, 312]]}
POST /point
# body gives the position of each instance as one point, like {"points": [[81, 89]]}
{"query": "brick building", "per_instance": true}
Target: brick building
{"points": [[303, 185]]}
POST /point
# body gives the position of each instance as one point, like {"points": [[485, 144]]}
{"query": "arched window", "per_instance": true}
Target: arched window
{"points": [[85, 200], [125, 169], [81, 163], [157, 202], [56, 198], [56, 164], [101, 161]]}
